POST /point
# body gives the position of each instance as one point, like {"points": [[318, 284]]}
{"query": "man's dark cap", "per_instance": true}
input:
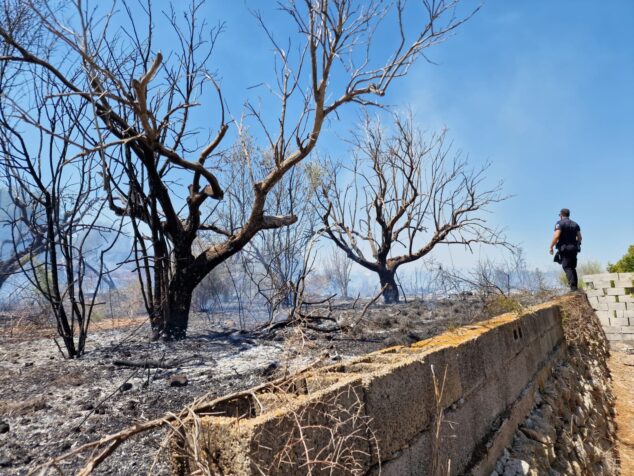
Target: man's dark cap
{"points": [[565, 212]]}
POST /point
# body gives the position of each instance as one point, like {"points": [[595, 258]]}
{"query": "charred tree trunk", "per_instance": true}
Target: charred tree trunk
{"points": [[389, 286], [173, 294], [177, 310]]}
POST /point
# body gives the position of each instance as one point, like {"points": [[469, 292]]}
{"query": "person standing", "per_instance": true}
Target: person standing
{"points": [[567, 239]]}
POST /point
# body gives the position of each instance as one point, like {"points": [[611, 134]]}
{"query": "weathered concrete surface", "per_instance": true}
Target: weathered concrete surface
{"points": [[441, 405]]}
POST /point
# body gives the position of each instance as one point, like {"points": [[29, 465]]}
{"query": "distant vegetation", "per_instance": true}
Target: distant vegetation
{"points": [[589, 267], [625, 264]]}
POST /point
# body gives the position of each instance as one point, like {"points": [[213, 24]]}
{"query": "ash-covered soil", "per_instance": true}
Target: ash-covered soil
{"points": [[49, 405]]}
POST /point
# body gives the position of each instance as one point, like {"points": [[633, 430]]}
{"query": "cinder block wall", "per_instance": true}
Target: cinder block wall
{"points": [[612, 297], [379, 413]]}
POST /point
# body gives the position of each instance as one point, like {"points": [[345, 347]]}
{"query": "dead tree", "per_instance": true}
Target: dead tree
{"points": [[338, 269], [402, 196], [56, 214], [150, 145], [273, 259]]}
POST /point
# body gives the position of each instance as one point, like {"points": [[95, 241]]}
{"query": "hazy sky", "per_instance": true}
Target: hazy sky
{"points": [[543, 89]]}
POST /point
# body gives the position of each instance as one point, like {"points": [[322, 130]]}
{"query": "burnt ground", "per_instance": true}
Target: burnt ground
{"points": [[49, 405]]}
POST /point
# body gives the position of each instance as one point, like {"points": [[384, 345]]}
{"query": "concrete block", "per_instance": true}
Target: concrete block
{"points": [[601, 276], [472, 367], [594, 293], [458, 440], [615, 291], [619, 314], [604, 314], [413, 461], [616, 306], [614, 337], [627, 330], [629, 313], [517, 375], [626, 276], [627, 298], [612, 329], [601, 306], [593, 300], [605, 321], [607, 299], [629, 305], [407, 387], [620, 321], [496, 349], [624, 283], [447, 371]]}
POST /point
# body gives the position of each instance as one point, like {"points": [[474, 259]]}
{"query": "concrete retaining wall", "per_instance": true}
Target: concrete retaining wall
{"points": [[612, 297], [449, 404]]}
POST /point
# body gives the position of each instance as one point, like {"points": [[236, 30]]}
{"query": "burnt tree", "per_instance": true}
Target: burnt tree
{"points": [[149, 143], [402, 196], [58, 228]]}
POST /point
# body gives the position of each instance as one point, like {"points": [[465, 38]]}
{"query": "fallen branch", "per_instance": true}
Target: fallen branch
{"points": [[322, 301], [152, 364], [367, 306]]}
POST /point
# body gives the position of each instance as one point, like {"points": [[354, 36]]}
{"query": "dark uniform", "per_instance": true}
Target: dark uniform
{"points": [[568, 247]]}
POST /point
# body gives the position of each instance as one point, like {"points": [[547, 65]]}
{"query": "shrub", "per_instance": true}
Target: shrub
{"points": [[625, 264], [583, 269]]}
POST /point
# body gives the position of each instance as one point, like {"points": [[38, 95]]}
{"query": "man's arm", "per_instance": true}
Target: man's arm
{"points": [[579, 237], [555, 240]]}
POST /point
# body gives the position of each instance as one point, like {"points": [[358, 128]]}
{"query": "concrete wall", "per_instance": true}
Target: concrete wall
{"points": [[571, 428], [612, 297], [449, 404]]}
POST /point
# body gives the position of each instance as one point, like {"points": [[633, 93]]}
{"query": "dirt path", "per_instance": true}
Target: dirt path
{"points": [[622, 367]]}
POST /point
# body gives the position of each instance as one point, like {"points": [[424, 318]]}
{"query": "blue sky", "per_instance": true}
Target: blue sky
{"points": [[542, 89]]}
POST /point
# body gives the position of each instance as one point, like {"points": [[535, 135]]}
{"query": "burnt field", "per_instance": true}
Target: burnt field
{"points": [[49, 405]]}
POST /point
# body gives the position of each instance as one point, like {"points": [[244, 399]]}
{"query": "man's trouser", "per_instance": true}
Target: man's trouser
{"points": [[569, 263]]}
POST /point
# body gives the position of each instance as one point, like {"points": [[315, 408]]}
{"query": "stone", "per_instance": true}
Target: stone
{"points": [[4, 427], [178, 380], [576, 468], [125, 387], [537, 436], [516, 467]]}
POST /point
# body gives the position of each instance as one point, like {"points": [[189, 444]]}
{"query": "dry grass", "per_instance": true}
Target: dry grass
{"points": [[332, 435], [439, 467]]}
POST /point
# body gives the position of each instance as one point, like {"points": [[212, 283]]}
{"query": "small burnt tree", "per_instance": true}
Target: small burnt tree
{"points": [[159, 163], [57, 221], [402, 196]]}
